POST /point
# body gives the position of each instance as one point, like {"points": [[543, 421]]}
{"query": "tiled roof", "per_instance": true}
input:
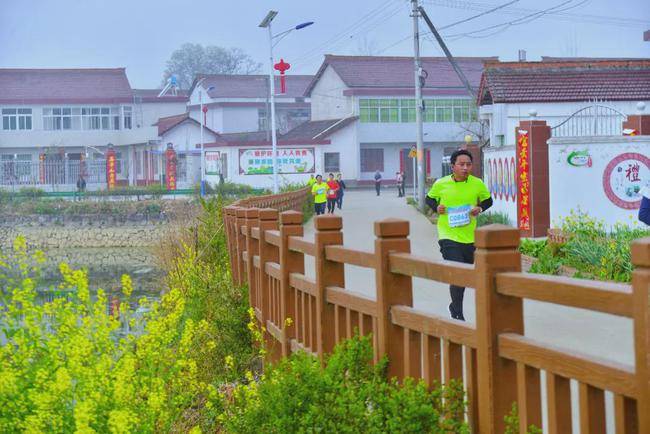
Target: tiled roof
{"points": [[151, 95], [315, 130], [556, 81], [244, 137], [397, 72], [51, 86], [168, 123], [251, 86]]}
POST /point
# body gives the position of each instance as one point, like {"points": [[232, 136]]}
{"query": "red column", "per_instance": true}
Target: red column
{"points": [[111, 173], [637, 125], [533, 214], [170, 168]]}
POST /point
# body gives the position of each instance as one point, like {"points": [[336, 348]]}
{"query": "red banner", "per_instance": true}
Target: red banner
{"points": [[41, 168], [111, 170], [170, 157], [523, 180]]}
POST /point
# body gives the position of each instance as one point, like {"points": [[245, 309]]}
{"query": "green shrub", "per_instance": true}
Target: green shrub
{"points": [[546, 262], [597, 252], [348, 394], [512, 423], [532, 247], [489, 218]]}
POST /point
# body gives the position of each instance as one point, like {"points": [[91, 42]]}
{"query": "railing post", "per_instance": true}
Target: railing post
{"points": [[229, 226], [290, 262], [268, 253], [641, 294], [252, 221], [240, 221], [328, 273], [495, 314], [392, 289]]}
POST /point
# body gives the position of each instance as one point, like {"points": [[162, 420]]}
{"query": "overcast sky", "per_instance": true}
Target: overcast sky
{"points": [[141, 34]]}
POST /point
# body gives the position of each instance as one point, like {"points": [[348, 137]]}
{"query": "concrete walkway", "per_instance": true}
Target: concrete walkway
{"points": [[600, 335]]}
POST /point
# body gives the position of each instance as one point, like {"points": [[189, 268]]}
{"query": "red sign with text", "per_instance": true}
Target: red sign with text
{"points": [[111, 169], [523, 180], [170, 157]]}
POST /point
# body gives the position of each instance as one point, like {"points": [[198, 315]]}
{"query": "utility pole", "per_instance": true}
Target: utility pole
{"points": [[418, 106]]}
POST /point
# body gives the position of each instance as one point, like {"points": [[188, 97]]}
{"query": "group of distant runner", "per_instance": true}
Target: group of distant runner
{"points": [[328, 193]]}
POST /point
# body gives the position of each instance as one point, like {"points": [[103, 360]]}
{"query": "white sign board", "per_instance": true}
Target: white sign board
{"points": [[212, 162], [290, 160]]}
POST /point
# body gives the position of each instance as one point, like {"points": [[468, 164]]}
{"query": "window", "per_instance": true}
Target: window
{"points": [[17, 119], [128, 117], [332, 162], [407, 107], [262, 121], [84, 118], [372, 160], [403, 110]]}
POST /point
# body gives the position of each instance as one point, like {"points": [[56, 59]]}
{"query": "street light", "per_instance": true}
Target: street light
{"points": [[202, 116], [266, 23]]}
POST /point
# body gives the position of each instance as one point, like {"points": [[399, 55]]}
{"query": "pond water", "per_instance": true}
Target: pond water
{"points": [[105, 268]]}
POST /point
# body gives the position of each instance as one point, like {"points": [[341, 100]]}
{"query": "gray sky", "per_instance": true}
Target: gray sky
{"points": [[141, 34]]}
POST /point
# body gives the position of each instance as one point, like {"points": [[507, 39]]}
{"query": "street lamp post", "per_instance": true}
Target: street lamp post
{"points": [[266, 23], [202, 116]]}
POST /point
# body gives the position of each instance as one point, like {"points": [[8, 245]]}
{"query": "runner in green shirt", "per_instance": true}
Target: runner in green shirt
{"points": [[458, 199], [311, 181], [319, 191]]}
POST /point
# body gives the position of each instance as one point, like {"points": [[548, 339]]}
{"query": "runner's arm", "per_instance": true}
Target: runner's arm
{"points": [[433, 204], [485, 204]]}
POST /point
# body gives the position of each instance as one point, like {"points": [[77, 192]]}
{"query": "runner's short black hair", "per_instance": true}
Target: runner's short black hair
{"points": [[455, 155]]}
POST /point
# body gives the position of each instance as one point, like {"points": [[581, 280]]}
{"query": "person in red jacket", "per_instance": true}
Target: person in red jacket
{"points": [[332, 193]]}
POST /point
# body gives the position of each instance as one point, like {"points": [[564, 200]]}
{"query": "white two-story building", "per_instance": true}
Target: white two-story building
{"points": [[52, 119], [363, 120]]}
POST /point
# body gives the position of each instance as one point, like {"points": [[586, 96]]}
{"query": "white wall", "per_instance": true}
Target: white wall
{"points": [[392, 158], [327, 100], [502, 183], [583, 187], [240, 119]]}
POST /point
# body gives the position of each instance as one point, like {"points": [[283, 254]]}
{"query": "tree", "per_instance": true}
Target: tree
{"points": [[192, 59]]}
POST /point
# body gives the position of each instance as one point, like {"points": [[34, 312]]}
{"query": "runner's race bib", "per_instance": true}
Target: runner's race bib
{"points": [[458, 216], [320, 191]]}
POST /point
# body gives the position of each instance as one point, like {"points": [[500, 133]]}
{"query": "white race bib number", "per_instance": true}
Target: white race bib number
{"points": [[458, 216], [321, 190]]}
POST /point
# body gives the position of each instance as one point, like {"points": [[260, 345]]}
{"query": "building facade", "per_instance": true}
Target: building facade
{"points": [[57, 124]]}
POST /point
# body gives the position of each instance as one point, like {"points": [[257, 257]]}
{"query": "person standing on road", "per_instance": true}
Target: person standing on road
{"points": [[319, 191], [458, 198], [644, 209], [377, 182], [332, 193], [81, 186], [400, 187], [342, 187]]}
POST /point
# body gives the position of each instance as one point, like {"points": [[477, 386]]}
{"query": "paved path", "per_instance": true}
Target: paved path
{"points": [[596, 334]]}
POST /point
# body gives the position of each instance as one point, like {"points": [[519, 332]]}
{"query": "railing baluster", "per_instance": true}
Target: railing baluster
{"points": [[592, 409], [640, 250], [529, 397], [558, 395]]}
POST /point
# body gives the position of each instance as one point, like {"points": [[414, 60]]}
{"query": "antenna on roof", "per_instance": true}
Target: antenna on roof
{"points": [[172, 85]]}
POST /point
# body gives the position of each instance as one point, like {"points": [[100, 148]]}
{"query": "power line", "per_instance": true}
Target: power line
{"points": [[350, 36], [344, 33], [496, 8], [519, 21], [557, 15]]}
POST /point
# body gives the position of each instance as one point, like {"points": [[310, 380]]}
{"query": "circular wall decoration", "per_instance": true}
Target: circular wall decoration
{"points": [[513, 180], [500, 176], [624, 177], [486, 180], [493, 178]]}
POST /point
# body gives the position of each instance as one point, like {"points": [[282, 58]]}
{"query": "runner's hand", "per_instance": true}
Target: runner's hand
{"points": [[476, 211], [441, 209]]}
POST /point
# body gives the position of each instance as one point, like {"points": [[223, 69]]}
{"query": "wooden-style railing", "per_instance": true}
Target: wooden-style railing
{"points": [[501, 364]]}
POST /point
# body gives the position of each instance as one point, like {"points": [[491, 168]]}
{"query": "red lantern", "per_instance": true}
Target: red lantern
{"points": [[282, 66]]}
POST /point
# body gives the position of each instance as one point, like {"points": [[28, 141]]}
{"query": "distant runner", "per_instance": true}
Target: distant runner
{"points": [[342, 187], [311, 180], [332, 193], [319, 191], [458, 198]]}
